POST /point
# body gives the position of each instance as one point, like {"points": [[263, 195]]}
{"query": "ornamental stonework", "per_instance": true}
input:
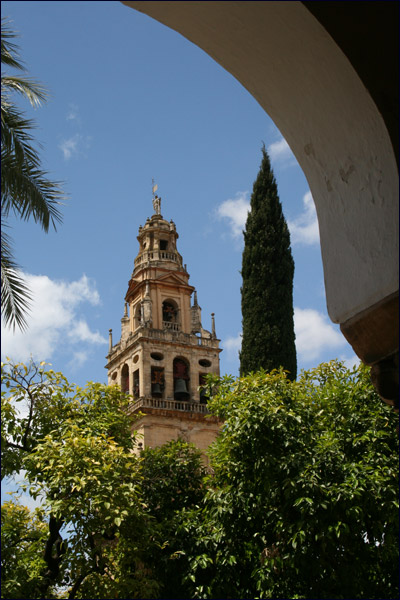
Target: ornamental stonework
{"points": [[164, 353]]}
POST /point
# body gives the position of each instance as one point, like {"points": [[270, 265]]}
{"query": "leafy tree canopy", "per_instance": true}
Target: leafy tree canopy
{"points": [[108, 525], [304, 498], [76, 447], [23, 536], [300, 501]]}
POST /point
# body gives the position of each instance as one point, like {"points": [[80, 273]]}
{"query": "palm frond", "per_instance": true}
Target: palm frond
{"points": [[25, 187], [31, 89], [16, 138], [9, 51], [15, 294], [27, 191]]}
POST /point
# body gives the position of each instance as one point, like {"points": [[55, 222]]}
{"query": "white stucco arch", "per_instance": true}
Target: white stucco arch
{"points": [[296, 71]]}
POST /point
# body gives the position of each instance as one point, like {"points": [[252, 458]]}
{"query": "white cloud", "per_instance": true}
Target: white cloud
{"points": [[74, 146], [53, 321], [232, 346], [236, 212], [315, 334], [351, 361], [70, 147], [304, 229], [73, 113], [280, 153], [78, 360], [80, 331]]}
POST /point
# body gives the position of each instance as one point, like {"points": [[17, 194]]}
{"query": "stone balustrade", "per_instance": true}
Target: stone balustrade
{"points": [[169, 404], [171, 326], [156, 255], [171, 332]]}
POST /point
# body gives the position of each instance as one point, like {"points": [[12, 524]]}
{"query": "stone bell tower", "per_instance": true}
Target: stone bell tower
{"points": [[164, 352]]}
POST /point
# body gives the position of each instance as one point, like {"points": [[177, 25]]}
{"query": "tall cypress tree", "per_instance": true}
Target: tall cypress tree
{"points": [[267, 292]]}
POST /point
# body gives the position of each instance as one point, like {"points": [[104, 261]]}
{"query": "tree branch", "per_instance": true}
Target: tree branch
{"points": [[78, 584], [52, 555]]}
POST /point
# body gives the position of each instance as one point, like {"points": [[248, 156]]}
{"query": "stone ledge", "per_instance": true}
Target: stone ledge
{"points": [[181, 415], [374, 333]]}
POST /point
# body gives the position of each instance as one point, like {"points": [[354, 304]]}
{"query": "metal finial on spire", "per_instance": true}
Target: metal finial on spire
{"points": [[155, 186]]}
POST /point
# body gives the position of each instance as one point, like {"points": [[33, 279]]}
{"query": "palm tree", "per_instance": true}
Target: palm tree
{"points": [[25, 188]]}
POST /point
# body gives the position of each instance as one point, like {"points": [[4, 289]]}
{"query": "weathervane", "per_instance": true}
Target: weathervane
{"points": [[156, 199]]}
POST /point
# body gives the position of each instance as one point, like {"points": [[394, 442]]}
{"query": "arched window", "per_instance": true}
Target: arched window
{"points": [[125, 379], [181, 379], [137, 317], [170, 315], [157, 382], [203, 392], [136, 385]]}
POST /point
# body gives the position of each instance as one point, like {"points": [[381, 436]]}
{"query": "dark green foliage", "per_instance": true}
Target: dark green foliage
{"points": [[76, 447], [304, 501], [172, 486], [267, 291], [301, 500], [122, 512], [172, 478], [23, 537]]}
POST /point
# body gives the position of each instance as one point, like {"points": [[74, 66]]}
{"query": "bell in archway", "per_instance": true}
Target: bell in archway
{"points": [[156, 389], [180, 389], [203, 396]]}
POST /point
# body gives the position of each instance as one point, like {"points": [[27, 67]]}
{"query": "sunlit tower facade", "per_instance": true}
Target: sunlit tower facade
{"points": [[164, 353]]}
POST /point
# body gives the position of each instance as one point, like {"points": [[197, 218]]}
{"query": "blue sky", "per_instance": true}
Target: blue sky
{"points": [[131, 100]]}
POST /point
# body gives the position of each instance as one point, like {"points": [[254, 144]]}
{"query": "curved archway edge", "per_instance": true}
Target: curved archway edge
{"points": [[285, 57]]}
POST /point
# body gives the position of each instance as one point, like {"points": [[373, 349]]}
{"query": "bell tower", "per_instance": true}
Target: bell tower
{"points": [[164, 352]]}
